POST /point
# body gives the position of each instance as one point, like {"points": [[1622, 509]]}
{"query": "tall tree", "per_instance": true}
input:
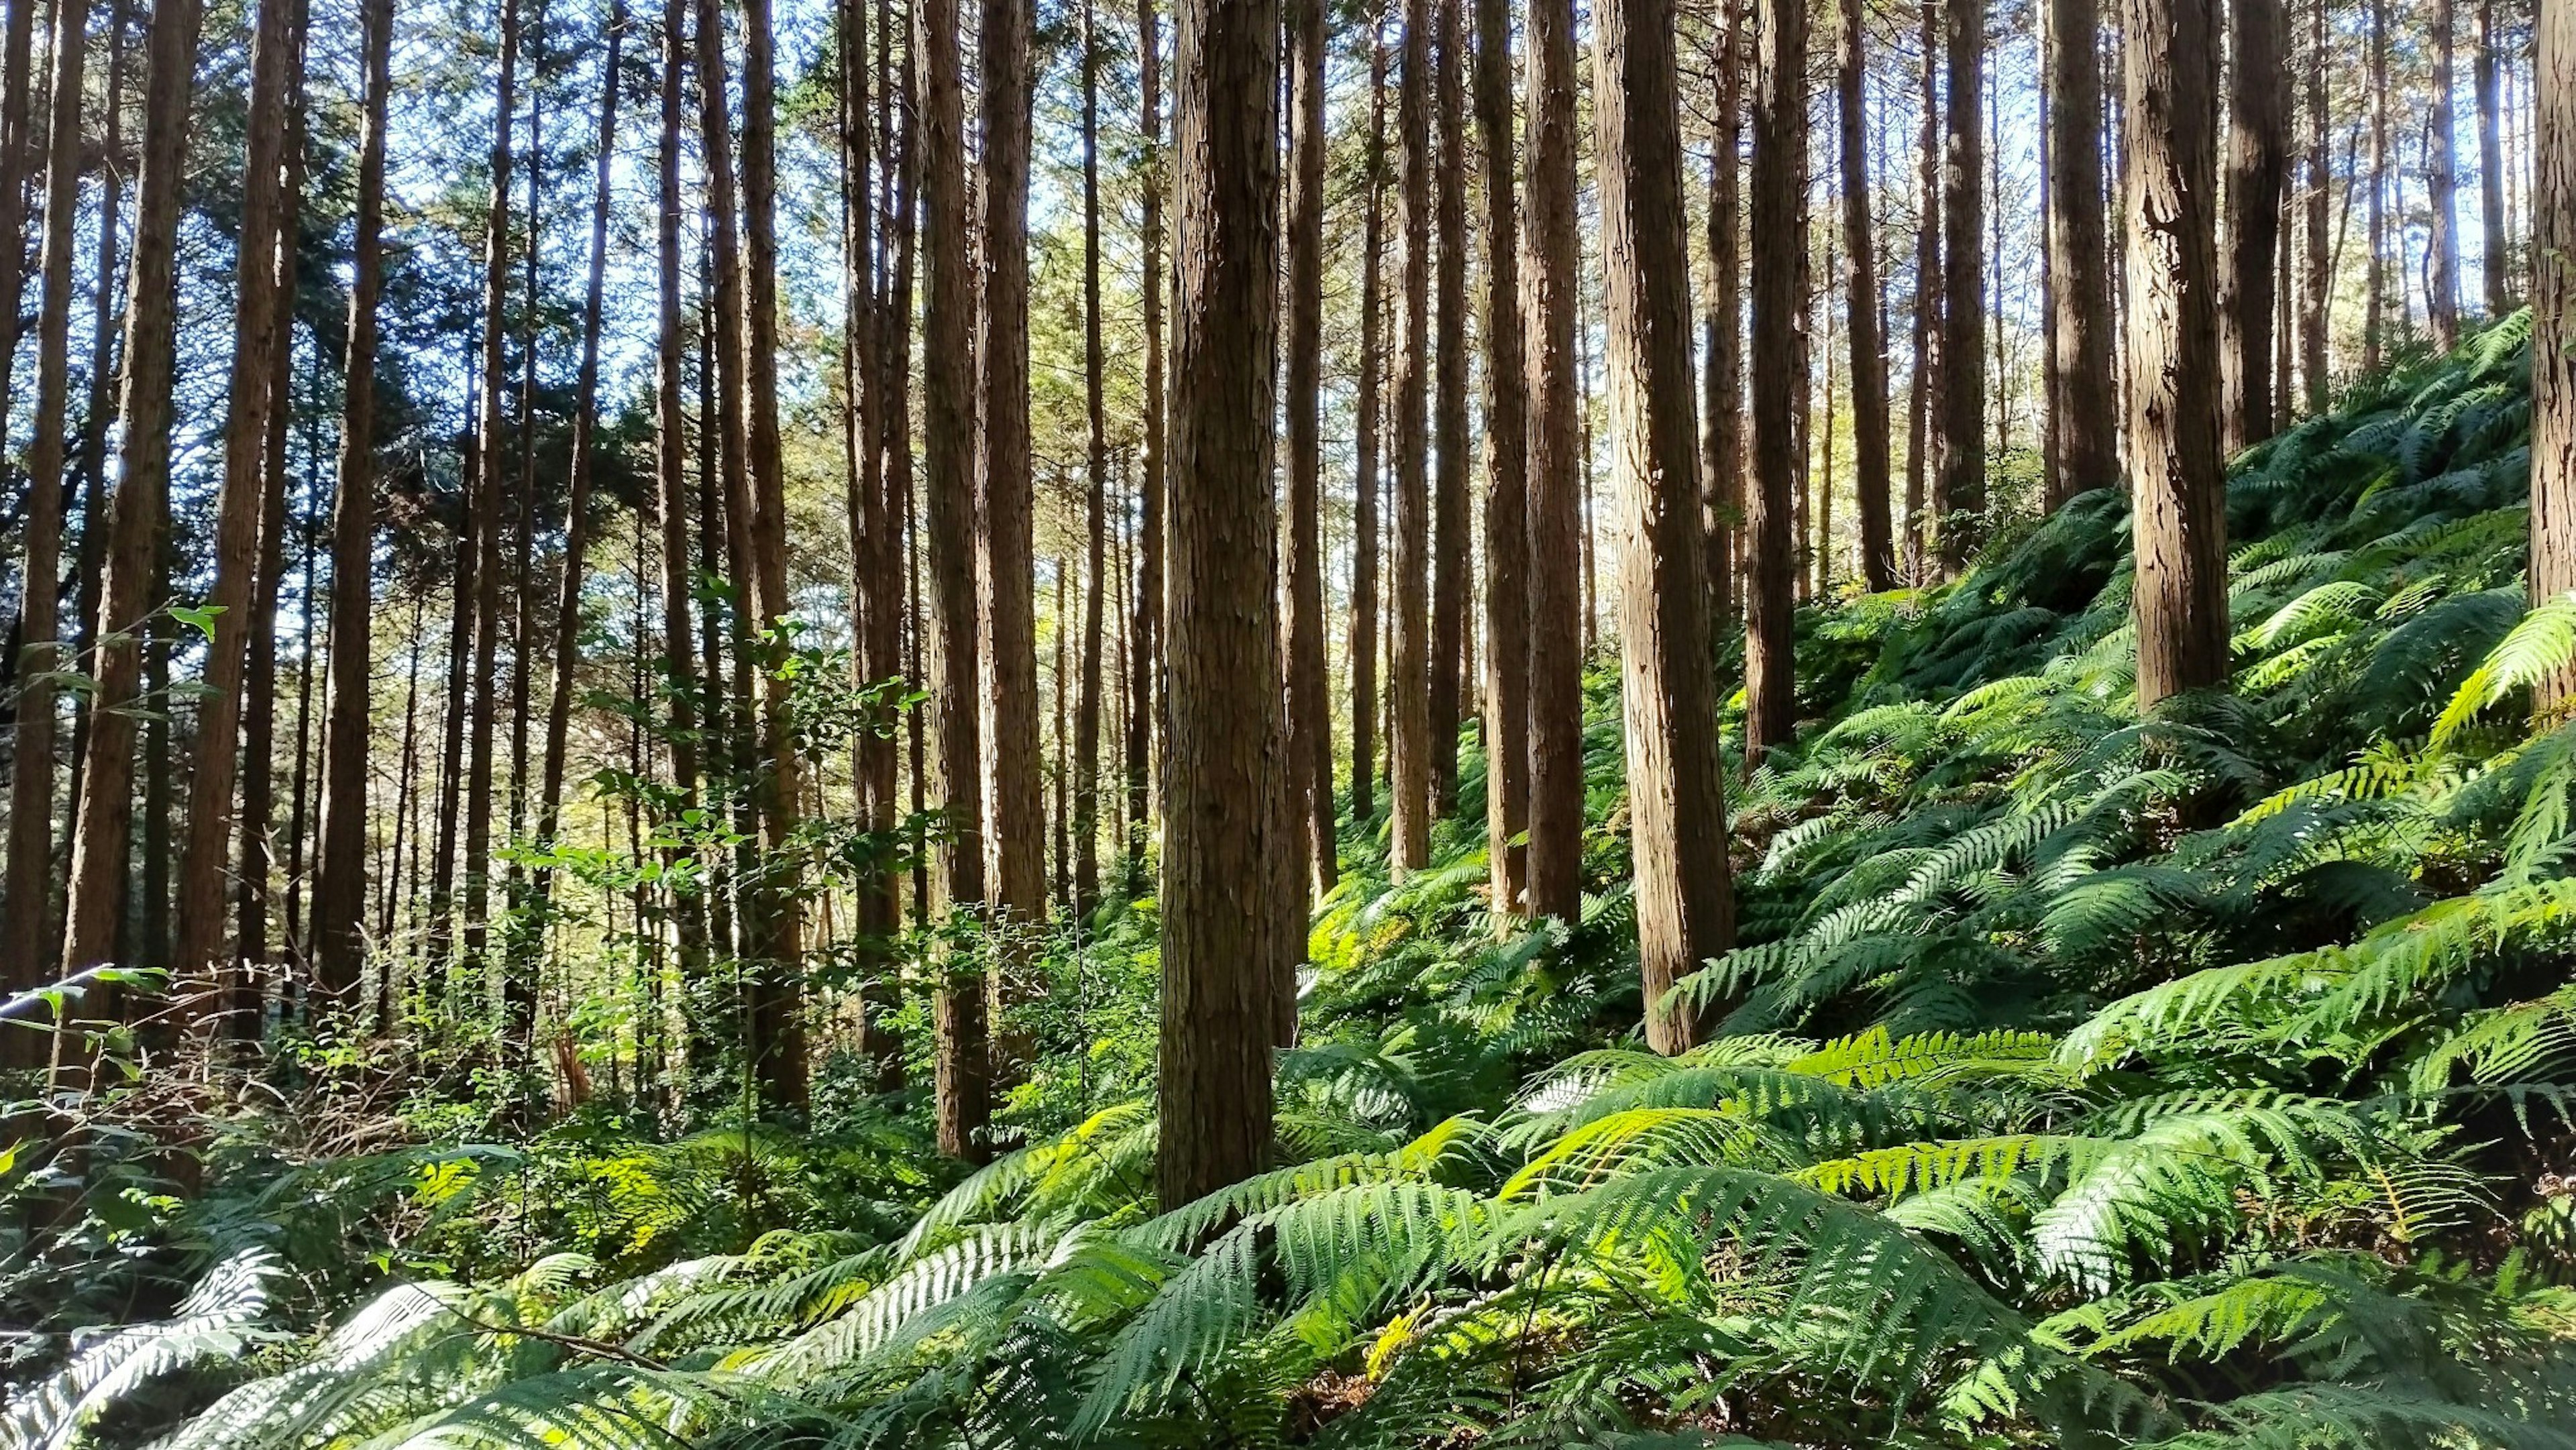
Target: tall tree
{"points": [[1677, 807], [2258, 158], [2494, 262], [1310, 707], [1449, 501], [259, 327], [2553, 338], [1959, 483], [1923, 403], [1506, 421], [2442, 182], [1866, 330], [17, 145], [130, 595], [2318, 293], [339, 892], [2375, 187], [482, 506], [2178, 502], [1555, 480], [1222, 931], [1086, 729], [28, 885], [1722, 380], [1409, 660], [1367, 477], [1779, 376], [1145, 646], [2080, 408], [948, 506]]}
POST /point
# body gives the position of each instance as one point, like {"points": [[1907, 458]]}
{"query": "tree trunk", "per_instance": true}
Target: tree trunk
{"points": [[1959, 484], [1409, 658], [130, 594], [1449, 502], [1677, 808], [2081, 409], [2374, 283], [258, 328], [1722, 382], [17, 153], [2258, 151], [339, 893], [2494, 259], [90, 466], [1923, 405], [483, 505], [2553, 340], [1555, 481], [2442, 182], [948, 398], [1310, 706], [1086, 726], [2178, 489], [1779, 378], [1367, 478], [1145, 649], [1861, 311], [1506, 421], [2316, 303], [1224, 804]]}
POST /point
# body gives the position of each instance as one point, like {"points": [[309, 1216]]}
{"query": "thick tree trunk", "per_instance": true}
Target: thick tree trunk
{"points": [[1367, 478], [1555, 480], [2553, 338], [1959, 483], [1145, 647], [2178, 479], [1224, 943], [131, 594], [1086, 720], [2258, 156], [1449, 502], [1861, 311], [258, 329], [1722, 380], [2494, 259], [1677, 808], [1409, 658], [1779, 377], [2081, 409], [1310, 705], [964, 1086], [1506, 422], [339, 893], [2442, 182], [28, 888]]}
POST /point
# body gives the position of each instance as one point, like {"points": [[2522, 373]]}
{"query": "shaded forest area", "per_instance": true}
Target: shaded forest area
{"points": [[1390, 723]]}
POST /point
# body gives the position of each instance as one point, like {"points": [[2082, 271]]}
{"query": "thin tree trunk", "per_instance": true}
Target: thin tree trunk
{"points": [[1923, 406], [1506, 514], [1779, 379], [1086, 728], [133, 565], [2178, 500], [2494, 259], [1224, 945], [24, 955], [2442, 181], [17, 153], [1309, 719], [1409, 659], [1861, 309], [2080, 411], [1722, 381], [1449, 503], [1555, 481], [2553, 339], [2373, 326], [1367, 478], [1145, 651], [948, 395], [1677, 807], [91, 462], [258, 327], [2316, 303], [1959, 483]]}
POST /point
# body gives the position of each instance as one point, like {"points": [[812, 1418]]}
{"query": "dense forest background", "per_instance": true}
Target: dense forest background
{"points": [[1288, 722]]}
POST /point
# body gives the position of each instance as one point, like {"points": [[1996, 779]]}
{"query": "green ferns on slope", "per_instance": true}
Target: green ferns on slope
{"points": [[2197, 1080]]}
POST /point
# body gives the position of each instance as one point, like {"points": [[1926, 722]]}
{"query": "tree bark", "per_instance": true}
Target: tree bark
{"points": [[2373, 325], [1506, 422], [1861, 310], [1555, 480], [1923, 404], [2494, 259], [1223, 943], [2178, 498], [2316, 303], [2081, 409], [1410, 655], [2442, 182], [1677, 807], [2258, 151], [1779, 376], [1959, 484], [1145, 647], [1722, 381], [1310, 707], [1449, 502], [1086, 726], [948, 398], [1367, 479], [2553, 339], [672, 497]]}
